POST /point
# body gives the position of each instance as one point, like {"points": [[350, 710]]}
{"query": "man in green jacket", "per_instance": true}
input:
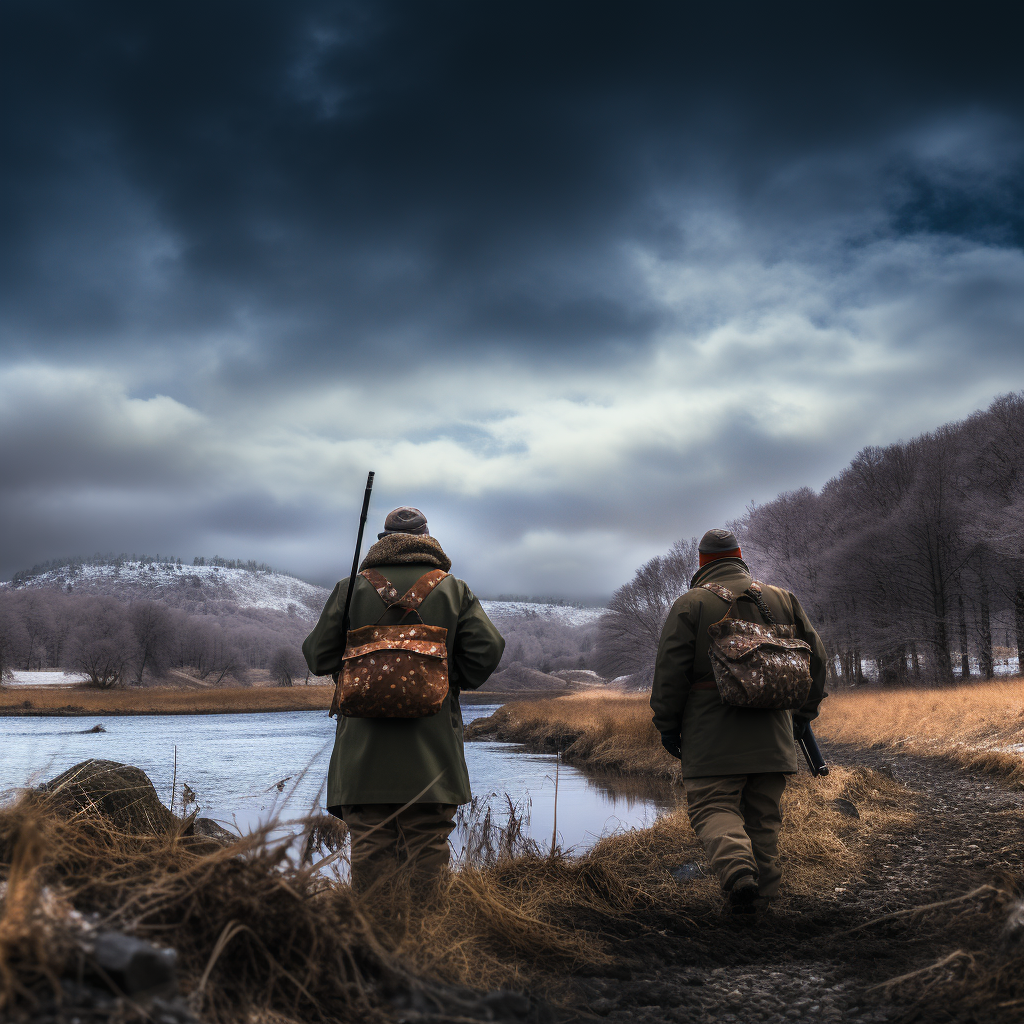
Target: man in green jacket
{"points": [[734, 760], [380, 765]]}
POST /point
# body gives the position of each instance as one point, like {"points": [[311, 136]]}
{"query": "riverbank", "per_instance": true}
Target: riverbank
{"points": [[888, 910], [80, 701], [978, 725]]}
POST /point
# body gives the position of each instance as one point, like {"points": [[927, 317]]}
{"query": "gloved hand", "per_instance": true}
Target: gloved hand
{"points": [[672, 742]]}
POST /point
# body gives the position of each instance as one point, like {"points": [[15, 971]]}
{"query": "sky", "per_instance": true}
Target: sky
{"points": [[575, 279]]}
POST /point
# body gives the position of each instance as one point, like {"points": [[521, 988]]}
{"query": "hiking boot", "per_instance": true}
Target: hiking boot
{"points": [[744, 897]]}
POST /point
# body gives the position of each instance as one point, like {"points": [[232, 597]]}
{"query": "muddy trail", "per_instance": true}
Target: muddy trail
{"points": [[824, 959]]}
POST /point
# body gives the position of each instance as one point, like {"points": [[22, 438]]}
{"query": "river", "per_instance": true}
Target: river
{"points": [[245, 769]]}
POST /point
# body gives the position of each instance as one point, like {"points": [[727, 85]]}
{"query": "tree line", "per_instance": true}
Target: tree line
{"points": [[115, 642], [910, 562]]}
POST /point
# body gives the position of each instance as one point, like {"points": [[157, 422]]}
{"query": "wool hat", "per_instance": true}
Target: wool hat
{"points": [[718, 542], [404, 520]]}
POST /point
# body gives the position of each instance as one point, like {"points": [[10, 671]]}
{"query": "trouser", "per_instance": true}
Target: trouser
{"points": [[415, 839], [737, 818]]}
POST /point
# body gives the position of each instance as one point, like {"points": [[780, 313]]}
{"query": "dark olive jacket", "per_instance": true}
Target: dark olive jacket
{"points": [[395, 760], [718, 739]]}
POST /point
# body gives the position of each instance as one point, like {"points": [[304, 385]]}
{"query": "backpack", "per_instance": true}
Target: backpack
{"points": [[398, 670], [758, 666]]}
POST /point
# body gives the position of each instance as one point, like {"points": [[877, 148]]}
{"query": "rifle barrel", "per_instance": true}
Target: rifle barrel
{"points": [[811, 751], [345, 617]]}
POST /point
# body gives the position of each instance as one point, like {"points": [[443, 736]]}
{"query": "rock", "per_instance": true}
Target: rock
{"points": [[209, 829], [846, 808], [602, 1007], [135, 966], [121, 792]]}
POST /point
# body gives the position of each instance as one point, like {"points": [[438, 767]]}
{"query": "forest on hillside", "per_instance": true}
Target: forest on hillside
{"points": [[910, 561]]}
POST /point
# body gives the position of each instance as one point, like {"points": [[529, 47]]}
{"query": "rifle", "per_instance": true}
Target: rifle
{"points": [[345, 618], [804, 736]]}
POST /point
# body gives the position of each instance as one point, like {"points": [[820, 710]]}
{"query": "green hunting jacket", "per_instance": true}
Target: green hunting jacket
{"points": [[396, 760], [718, 739]]}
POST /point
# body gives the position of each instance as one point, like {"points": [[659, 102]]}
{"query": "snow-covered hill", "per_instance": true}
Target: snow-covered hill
{"points": [[191, 585], [188, 585], [571, 615]]}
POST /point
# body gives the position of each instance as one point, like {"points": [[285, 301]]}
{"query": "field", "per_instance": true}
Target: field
{"points": [[161, 700], [168, 700], [980, 725]]}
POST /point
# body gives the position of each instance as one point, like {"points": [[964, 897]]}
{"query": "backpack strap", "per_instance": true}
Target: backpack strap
{"points": [[421, 589], [754, 590], [719, 591], [384, 587], [724, 593], [412, 598]]}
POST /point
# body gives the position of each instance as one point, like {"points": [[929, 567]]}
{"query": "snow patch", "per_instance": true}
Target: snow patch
{"points": [[571, 615], [48, 678]]}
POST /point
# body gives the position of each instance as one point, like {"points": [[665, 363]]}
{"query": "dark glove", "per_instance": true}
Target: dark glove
{"points": [[672, 742]]}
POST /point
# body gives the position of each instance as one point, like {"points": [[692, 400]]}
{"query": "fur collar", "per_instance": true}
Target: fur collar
{"points": [[406, 549], [719, 567]]}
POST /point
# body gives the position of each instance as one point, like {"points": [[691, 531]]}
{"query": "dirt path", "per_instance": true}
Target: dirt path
{"points": [[799, 963]]}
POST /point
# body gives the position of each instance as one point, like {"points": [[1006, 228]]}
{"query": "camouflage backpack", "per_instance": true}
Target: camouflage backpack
{"points": [[758, 666], [399, 670]]}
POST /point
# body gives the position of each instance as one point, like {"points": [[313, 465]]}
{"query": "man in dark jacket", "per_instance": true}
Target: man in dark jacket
{"points": [[379, 765], [734, 760]]}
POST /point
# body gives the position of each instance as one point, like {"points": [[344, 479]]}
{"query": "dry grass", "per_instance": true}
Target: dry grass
{"points": [[612, 732], [975, 725], [530, 921], [168, 700], [161, 700], [274, 938]]}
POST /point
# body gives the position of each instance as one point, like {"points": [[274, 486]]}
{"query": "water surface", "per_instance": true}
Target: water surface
{"points": [[246, 768]]}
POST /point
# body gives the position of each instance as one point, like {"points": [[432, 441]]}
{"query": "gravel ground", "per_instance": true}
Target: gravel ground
{"points": [[798, 963]]}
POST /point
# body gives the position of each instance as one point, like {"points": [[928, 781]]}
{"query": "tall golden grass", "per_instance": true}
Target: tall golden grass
{"points": [[612, 732], [977, 725]]}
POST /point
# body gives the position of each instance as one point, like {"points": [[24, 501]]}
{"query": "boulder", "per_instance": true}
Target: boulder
{"points": [[121, 792]]}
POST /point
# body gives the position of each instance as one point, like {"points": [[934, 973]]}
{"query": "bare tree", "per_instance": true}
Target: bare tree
{"points": [[153, 625], [628, 633], [14, 639], [102, 644], [286, 665]]}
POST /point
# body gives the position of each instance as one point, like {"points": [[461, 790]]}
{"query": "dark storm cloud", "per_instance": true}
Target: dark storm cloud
{"points": [[581, 278], [418, 174]]}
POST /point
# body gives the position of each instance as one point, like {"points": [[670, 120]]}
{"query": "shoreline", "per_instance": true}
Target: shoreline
{"points": [[69, 702]]}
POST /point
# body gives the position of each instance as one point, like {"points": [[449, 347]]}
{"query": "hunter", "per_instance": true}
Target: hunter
{"points": [[734, 760], [397, 782]]}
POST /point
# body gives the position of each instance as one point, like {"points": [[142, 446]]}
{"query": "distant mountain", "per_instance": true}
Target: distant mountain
{"points": [[568, 614], [189, 586], [192, 586]]}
